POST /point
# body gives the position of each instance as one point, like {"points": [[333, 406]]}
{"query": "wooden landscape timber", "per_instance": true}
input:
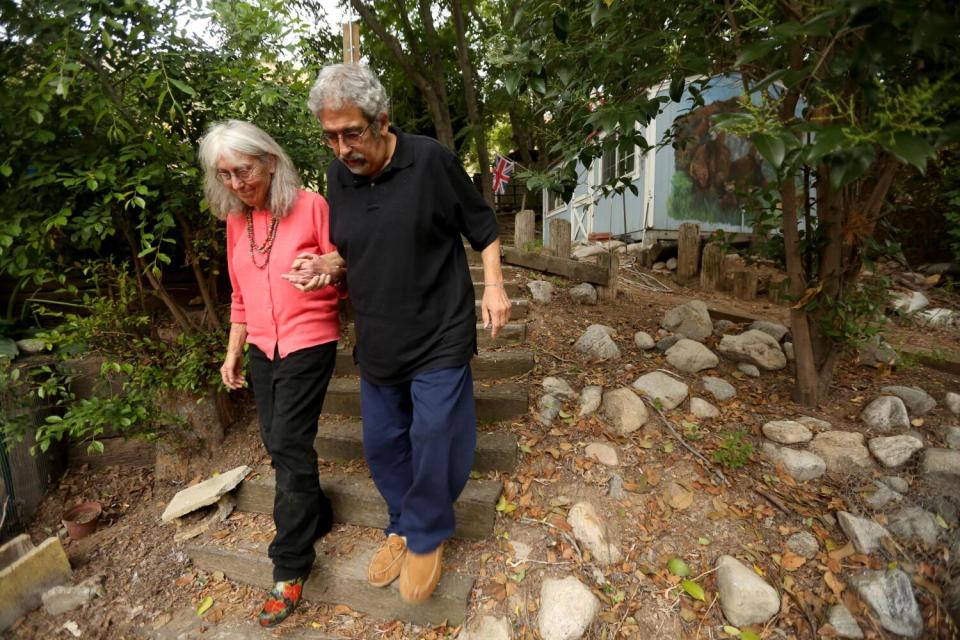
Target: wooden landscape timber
{"points": [[688, 252], [572, 269]]}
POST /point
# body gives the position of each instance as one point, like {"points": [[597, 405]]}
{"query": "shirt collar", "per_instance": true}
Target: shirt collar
{"points": [[402, 158]]}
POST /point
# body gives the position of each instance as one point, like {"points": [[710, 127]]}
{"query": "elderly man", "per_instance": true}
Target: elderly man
{"points": [[400, 205]]}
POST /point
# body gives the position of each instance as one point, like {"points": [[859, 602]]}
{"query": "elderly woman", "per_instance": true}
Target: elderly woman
{"points": [[292, 335]]}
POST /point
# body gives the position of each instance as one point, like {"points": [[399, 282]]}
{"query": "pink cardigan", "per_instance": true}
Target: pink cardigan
{"points": [[276, 313]]}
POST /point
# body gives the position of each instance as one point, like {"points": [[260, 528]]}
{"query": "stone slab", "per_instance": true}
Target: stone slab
{"points": [[30, 571], [487, 365], [355, 500], [204, 493], [342, 440], [344, 581]]}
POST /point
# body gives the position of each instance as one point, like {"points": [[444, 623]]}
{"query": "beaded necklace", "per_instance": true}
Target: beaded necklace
{"points": [[263, 249]]}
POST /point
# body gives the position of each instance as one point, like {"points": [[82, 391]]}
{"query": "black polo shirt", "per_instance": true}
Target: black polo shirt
{"points": [[407, 274]]}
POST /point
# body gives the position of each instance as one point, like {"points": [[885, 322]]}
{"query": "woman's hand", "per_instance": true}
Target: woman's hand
{"points": [[232, 371]]}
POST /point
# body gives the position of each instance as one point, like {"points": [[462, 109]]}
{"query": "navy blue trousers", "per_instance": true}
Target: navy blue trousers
{"points": [[289, 395], [419, 438]]}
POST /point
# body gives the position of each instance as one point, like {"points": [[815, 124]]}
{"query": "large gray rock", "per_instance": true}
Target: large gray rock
{"points": [[755, 347], [63, 598], [917, 401], [657, 384], [952, 400], [893, 451], [866, 535], [559, 387], [541, 290], [592, 532], [487, 628], [748, 369], [786, 432], [745, 597], [908, 302], [951, 435], [584, 293], [690, 319], [590, 399], [914, 522], [942, 467], [774, 330], [800, 465], [890, 594], [204, 493], [602, 453], [719, 388], [644, 341], [877, 352], [814, 424], [843, 451], [549, 408], [567, 608], [803, 543], [881, 496], [843, 622], [703, 409], [625, 410], [690, 356], [885, 413], [596, 343]]}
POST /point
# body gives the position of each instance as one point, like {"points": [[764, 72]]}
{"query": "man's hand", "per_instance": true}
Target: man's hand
{"points": [[495, 308], [310, 272]]}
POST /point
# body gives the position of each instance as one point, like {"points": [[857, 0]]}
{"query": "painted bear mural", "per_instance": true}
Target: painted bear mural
{"points": [[712, 168]]}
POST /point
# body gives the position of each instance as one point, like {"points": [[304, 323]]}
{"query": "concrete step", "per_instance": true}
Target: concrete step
{"points": [[512, 288], [494, 402], [342, 580], [355, 500], [512, 333], [488, 365], [342, 441]]}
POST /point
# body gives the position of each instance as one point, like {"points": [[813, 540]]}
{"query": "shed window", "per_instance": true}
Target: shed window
{"points": [[616, 163]]}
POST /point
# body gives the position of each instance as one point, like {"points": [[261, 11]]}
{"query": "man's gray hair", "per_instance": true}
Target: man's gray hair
{"points": [[237, 137], [340, 85]]}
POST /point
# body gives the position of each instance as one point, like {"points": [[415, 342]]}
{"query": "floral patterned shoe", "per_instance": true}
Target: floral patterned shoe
{"points": [[281, 602]]}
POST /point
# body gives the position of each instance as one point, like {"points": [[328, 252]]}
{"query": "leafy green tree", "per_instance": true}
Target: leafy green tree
{"points": [[844, 92]]}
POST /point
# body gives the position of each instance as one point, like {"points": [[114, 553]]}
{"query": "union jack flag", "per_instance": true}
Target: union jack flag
{"points": [[502, 168]]}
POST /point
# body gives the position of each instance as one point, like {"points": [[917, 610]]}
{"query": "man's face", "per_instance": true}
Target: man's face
{"points": [[360, 144]]}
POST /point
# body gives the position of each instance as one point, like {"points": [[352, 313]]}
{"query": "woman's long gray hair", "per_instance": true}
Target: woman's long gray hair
{"points": [[237, 137], [339, 85]]}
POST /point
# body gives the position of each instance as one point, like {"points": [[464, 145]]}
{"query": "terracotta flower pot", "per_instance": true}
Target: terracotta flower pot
{"points": [[81, 519]]}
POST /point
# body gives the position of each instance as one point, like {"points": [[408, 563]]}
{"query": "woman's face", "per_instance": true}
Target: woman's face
{"points": [[248, 177]]}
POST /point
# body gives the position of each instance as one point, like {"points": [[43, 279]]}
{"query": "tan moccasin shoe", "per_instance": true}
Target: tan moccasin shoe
{"points": [[420, 575], [387, 561]]}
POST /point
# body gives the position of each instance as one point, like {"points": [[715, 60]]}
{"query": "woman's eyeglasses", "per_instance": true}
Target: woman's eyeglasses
{"points": [[242, 174], [347, 137]]}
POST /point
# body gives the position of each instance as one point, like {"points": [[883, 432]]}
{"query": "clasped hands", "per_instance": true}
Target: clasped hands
{"points": [[310, 272]]}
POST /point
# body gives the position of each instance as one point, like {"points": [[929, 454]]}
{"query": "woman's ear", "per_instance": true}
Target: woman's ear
{"points": [[272, 163]]}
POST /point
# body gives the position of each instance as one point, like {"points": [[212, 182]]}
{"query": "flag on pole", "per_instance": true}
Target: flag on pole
{"points": [[502, 168]]}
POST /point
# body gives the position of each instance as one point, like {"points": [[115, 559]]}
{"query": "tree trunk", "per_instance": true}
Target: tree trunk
{"points": [[473, 102], [430, 83]]}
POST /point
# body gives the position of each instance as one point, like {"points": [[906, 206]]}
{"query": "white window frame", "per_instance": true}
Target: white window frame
{"points": [[638, 158]]}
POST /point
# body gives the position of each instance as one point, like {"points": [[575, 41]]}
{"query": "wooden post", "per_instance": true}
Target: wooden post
{"points": [[731, 263], [351, 42], [777, 289], [560, 238], [611, 262], [688, 252], [711, 267], [745, 284], [524, 229]]}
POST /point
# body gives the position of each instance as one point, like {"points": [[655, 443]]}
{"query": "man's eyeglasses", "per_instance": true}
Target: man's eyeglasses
{"points": [[242, 174], [347, 137]]}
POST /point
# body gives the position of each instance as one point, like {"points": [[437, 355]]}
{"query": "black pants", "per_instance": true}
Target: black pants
{"points": [[289, 394]]}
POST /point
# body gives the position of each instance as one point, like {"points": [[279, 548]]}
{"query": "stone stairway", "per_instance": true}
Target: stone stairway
{"points": [[340, 579]]}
